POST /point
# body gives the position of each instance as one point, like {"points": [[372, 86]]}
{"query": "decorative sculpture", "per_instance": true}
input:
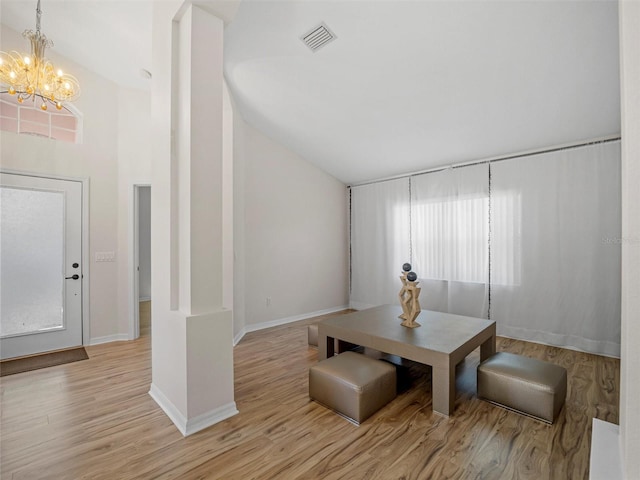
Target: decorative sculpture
{"points": [[409, 294]]}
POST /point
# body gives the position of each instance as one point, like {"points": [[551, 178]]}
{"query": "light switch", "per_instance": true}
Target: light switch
{"points": [[105, 256]]}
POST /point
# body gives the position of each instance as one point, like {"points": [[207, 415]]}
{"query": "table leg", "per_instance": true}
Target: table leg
{"points": [[326, 346], [443, 389], [488, 348], [343, 346]]}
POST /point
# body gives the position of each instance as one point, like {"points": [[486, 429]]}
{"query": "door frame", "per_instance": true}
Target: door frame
{"points": [[86, 267], [134, 259]]}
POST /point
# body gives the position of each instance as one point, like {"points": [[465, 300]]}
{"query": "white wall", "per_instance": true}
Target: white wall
{"points": [[630, 359], [134, 167], [96, 159], [291, 233]]}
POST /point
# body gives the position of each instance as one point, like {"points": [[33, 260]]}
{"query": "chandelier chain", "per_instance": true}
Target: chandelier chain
{"points": [[38, 15]]}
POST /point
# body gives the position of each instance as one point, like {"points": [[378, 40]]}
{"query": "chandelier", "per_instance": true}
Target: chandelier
{"points": [[33, 77]]}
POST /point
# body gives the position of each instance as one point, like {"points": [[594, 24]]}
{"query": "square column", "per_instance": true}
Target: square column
{"points": [[192, 340]]}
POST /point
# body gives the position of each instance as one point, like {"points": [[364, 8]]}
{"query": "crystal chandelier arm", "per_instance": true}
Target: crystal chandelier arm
{"points": [[33, 76]]}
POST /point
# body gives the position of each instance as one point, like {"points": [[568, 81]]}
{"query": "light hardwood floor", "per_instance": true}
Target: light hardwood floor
{"points": [[95, 420], [145, 318]]}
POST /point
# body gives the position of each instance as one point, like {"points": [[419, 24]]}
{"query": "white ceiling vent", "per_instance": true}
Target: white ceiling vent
{"points": [[318, 37]]}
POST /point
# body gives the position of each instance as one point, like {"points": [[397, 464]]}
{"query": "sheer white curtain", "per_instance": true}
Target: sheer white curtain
{"points": [[449, 215], [555, 248], [379, 241]]}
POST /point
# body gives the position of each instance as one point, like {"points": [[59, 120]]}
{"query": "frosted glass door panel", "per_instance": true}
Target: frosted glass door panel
{"points": [[41, 277], [31, 261]]}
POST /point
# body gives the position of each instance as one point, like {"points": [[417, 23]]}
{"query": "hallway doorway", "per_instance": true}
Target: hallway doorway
{"points": [[141, 295]]}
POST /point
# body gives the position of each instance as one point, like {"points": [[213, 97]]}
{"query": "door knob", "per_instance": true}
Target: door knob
{"points": [[73, 277]]}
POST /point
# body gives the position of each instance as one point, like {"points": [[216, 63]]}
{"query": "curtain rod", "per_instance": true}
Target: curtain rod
{"points": [[512, 156]]}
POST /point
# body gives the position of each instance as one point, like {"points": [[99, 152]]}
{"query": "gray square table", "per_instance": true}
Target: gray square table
{"points": [[443, 340]]}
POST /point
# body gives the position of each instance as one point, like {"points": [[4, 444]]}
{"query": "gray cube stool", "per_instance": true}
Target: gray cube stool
{"points": [[353, 385], [523, 384], [312, 335]]}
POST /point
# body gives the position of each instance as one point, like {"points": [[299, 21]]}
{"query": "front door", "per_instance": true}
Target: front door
{"points": [[40, 264]]}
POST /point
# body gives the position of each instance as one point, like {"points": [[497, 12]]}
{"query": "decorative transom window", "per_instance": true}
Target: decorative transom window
{"points": [[64, 125]]}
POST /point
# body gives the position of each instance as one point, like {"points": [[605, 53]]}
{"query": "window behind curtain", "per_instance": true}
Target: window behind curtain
{"points": [[449, 230], [450, 237], [554, 222]]}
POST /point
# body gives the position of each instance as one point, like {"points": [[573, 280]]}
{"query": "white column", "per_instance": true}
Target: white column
{"points": [[199, 138], [614, 450], [629, 11], [192, 357]]}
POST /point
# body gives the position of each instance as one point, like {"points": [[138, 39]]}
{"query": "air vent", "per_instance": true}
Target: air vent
{"points": [[318, 37]]}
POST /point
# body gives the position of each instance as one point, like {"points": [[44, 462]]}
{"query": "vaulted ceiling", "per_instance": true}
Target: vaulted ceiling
{"points": [[405, 86], [409, 85]]}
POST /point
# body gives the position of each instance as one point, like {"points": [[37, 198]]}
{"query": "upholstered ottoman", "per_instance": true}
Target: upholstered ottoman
{"points": [[312, 335], [523, 384], [352, 384]]}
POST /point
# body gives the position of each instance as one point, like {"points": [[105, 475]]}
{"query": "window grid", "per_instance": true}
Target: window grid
{"points": [[53, 125]]}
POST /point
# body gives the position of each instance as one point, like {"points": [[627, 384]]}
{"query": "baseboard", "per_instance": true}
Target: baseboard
{"points": [[210, 418], [118, 337], [238, 337], [561, 345], [605, 462], [360, 305], [193, 425], [295, 318], [169, 409]]}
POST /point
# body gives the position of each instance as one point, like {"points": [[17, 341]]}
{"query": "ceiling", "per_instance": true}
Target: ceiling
{"points": [[410, 85], [406, 86]]}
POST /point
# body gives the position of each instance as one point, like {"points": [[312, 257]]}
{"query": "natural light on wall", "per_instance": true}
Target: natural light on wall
{"points": [[27, 118]]}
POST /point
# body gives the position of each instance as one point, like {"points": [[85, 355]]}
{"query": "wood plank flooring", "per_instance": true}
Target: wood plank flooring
{"points": [[145, 318], [95, 420]]}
